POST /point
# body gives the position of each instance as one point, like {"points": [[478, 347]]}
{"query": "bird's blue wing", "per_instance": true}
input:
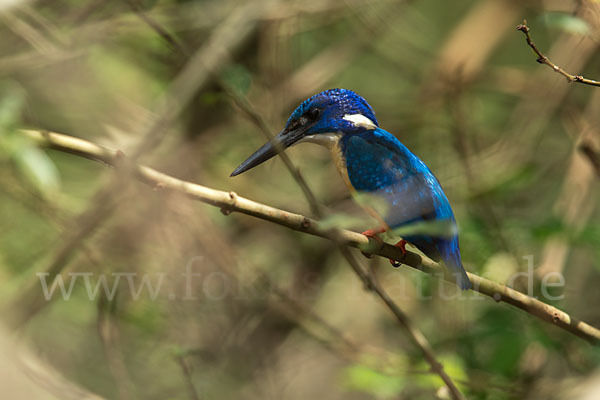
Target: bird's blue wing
{"points": [[380, 165]]}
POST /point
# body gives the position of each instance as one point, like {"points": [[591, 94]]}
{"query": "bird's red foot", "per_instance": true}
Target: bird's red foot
{"points": [[402, 246], [372, 233]]}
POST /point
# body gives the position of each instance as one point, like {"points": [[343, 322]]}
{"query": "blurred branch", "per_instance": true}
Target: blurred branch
{"points": [[27, 32], [483, 209], [341, 341], [108, 332], [542, 59], [471, 43], [577, 198], [592, 155], [41, 372], [187, 376], [152, 23], [206, 61], [230, 202]]}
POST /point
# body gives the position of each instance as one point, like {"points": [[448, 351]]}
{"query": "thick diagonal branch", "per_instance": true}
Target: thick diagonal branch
{"points": [[231, 202]]}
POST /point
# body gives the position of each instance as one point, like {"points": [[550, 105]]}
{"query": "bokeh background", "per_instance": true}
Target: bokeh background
{"points": [[187, 87]]}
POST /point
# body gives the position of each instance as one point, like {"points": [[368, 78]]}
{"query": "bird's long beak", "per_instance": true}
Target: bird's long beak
{"points": [[282, 141]]}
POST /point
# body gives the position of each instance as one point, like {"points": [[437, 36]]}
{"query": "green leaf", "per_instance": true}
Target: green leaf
{"points": [[38, 168], [31, 162], [567, 23], [367, 380], [10, 106]]}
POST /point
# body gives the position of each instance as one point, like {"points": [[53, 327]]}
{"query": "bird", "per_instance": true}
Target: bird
{"points": [[396, 186]]}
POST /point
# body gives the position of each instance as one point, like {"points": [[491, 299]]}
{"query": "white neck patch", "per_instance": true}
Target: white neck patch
{"points": [[360, 120], [328, 140]]}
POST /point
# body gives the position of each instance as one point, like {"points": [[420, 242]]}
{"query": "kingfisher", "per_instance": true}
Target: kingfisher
{"points": [[386, 178]]}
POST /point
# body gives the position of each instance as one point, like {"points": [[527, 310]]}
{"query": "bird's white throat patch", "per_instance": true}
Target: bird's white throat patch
{"points": [[360, 120], [329, 140]]}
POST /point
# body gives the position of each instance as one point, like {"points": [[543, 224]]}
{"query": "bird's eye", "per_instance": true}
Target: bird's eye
{"points": [[313, 114]]}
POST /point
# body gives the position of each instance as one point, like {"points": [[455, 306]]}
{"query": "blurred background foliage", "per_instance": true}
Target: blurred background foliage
{"points": [[278, 314]]}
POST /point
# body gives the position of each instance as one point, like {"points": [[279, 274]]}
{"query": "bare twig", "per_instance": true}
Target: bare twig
{"points": [[231, 202], [542, 59]]}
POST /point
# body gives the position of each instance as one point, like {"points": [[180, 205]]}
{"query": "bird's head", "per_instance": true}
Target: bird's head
{"points": [[318, 119]]}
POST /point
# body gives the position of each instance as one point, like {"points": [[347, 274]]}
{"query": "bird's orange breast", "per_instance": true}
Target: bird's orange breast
{"points": [[341, 165]]}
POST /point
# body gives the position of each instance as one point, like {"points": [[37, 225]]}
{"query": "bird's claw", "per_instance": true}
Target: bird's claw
{"points": [[372, 233], [402, 246]]}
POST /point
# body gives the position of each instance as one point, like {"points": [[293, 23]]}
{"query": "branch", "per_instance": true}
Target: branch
{"points": [[231, 202], [542, 59]]}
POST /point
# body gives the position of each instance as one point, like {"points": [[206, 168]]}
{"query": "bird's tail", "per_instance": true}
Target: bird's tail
{"points": [[450, 254]]}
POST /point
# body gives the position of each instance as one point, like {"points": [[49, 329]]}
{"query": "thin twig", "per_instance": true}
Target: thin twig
{"points": [[187, 375], [414, 333], [109, 337], [302, 310], [231, 202], [542, 59], [158, 28]]}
